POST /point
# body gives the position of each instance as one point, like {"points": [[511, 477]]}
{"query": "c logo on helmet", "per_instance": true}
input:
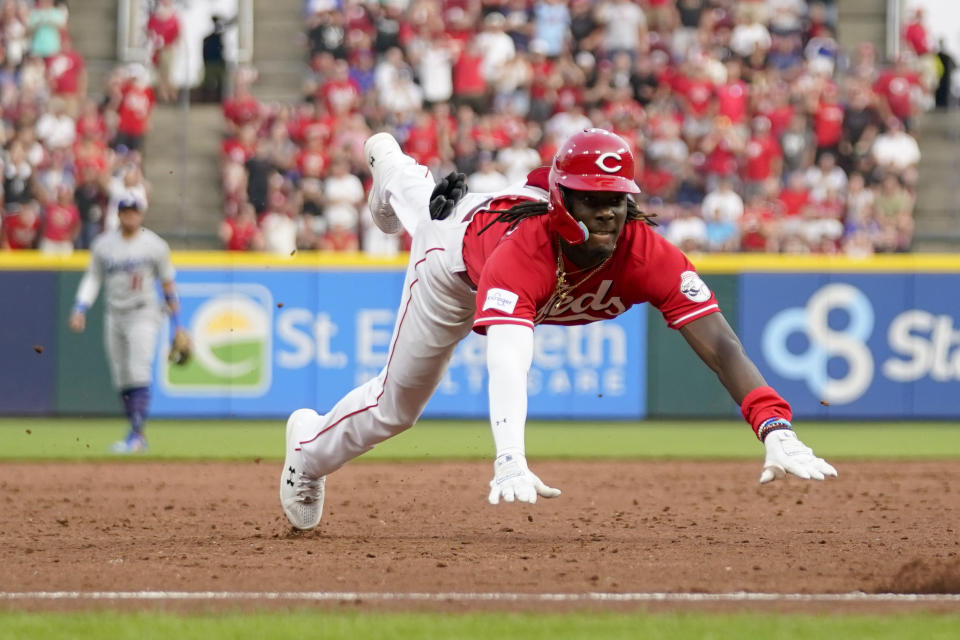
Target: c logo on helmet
{"points": [[601, 162]]}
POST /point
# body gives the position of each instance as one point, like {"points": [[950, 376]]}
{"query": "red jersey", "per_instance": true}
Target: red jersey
{"points": [[311, 164], [761, 154], [300, 129], [828, 124], [698, 94], [60, 223], [21, 233], [516, 276], [240, 111], [92, 155], [64, 70], [794, 202], [467, 75], [94, 126], [896, 88], [134, 110], [241, 234], [721, 160], [238, 151], [165, 31], [340, 95], [656, 181], [779, 118], [733, 99], [422, 143], [916, 36]]}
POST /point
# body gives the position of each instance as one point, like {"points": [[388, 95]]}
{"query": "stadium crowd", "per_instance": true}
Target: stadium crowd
{"points": [[67, 158], [758, 133]]}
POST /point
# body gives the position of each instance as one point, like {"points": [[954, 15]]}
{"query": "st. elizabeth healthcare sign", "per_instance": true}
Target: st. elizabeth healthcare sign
{"points": [[270, 341]]}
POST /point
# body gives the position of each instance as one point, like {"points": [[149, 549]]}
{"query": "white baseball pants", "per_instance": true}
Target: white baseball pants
{"points": [[131, 341], [436, 312]]}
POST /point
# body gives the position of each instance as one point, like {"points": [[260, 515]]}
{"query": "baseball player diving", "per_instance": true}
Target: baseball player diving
{"points": [[129, 261], [569, 246]]}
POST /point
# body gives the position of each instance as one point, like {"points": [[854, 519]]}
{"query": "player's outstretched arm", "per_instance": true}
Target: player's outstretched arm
{"points": [[509, 356], [87, 292], [767, 413]]}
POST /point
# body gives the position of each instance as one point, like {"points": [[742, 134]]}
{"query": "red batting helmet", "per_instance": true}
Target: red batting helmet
{"points": [[592, 160]]}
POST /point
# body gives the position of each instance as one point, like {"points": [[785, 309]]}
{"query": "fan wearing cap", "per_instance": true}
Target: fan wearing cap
{"points": [[568, 246], [128, 262]]}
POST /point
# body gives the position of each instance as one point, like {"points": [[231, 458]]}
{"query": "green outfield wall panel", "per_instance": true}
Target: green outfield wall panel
{"points": [[679, 384], [83, 379]]}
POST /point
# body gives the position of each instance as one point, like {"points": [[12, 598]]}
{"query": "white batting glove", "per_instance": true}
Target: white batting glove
{"points": [[786, 454], [512, 480]]}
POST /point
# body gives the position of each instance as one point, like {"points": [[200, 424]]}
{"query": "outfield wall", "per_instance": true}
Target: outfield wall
{"points": [[871, 338]]}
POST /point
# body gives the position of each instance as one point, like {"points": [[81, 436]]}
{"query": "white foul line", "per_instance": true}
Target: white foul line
{"points": [[340, 596]]}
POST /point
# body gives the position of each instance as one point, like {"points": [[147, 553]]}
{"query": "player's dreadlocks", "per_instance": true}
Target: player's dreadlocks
{"points": [[525, 210]]}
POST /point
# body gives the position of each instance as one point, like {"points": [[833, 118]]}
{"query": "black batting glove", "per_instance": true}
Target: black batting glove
{"points": [[447, 194]]}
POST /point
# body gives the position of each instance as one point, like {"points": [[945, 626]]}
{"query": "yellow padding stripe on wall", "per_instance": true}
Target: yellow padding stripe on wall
{"points": [[730, 263]]}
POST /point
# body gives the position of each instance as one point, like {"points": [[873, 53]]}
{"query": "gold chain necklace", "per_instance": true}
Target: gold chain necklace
{"points": [[564, 288]]}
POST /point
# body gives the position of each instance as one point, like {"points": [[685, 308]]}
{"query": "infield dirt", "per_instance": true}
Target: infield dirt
{"points": [[638, 526]]}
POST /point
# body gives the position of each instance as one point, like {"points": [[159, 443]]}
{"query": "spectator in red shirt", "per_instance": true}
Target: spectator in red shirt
{"points": [[340, 93], [312, 118], [733, 96], [915, 34], [897, 86], [61, 224], [795, 196], [828, 121], [134, 102], [469, 85], [240, 232], [163, 32], [721, 148], [764, 158], [312, 160], [340, 238], [758, 226], [90, 122], [696, 95], [423, 142], [67, 75], [89, 152], [242, 107], [21, 226], [655, 179], [241, 148]]}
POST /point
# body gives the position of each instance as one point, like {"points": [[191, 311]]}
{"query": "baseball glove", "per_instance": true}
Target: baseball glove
{"points": [[447, 194], [180, 348]]}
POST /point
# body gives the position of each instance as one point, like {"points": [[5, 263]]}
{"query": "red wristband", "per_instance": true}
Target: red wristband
{"points": [[761, 404]]}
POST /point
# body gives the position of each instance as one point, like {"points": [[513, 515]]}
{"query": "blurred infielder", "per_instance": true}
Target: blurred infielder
{"points": [[567, 247], [129, 261]]}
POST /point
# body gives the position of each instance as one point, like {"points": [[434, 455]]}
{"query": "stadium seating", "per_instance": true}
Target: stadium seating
{"points": [[68, 157]]}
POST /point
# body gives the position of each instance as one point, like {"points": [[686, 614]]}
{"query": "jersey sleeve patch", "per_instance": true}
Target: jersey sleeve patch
{"points": [[692, 286], [500, 300]]}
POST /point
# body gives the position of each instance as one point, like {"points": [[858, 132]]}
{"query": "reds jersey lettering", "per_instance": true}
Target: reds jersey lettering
{"points": [[591, 306]]}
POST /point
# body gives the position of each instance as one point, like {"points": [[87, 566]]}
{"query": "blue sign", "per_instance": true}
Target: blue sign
{"points": [[857, 345], [268, 342], [29, 329]]}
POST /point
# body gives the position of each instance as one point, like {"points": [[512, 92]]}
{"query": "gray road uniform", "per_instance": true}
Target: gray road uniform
{"points": [[129, 270]]}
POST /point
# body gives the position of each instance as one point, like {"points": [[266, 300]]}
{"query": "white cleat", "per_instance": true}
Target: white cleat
{"points": [[301, 495], [133, 443], [381, 150]]}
